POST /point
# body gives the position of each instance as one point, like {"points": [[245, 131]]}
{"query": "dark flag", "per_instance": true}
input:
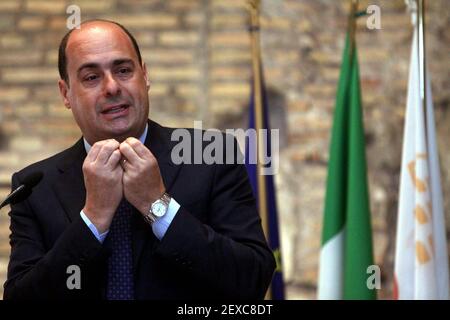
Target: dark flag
{"points": [[265, 194]]}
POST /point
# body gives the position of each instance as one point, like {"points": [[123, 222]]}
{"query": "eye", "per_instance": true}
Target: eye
{"points": [[90, 77], [124, 70]]}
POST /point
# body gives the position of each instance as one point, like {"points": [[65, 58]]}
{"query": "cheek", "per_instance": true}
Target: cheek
{"points": [[138, 94], [86, 99], [83, 105]]}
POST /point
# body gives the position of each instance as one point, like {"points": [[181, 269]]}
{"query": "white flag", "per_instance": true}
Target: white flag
{"points": [[421, 261]]}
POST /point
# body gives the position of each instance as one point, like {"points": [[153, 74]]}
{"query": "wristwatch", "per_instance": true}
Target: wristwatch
{"points": [[158, 208]]}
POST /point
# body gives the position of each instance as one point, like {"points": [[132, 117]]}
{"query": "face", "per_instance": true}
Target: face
{"points": [[108, 89]]}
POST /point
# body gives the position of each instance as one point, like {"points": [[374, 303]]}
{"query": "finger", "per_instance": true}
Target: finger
{"points": [[129, 153], [124, 164], [95, 149], [140, 149], [114, 159], [106, 151]]}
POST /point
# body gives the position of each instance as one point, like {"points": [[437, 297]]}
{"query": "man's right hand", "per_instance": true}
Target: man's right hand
{"points": [[103, 182]]}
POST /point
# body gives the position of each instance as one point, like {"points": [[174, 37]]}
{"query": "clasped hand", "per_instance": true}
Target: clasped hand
{"points": [[114, 170]]}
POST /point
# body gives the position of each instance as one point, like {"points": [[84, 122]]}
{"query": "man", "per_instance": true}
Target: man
{"points": [[116, 208]]}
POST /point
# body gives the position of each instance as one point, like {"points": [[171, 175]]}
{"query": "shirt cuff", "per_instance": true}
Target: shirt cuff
{"points": [[93, 228], [160, 226]]}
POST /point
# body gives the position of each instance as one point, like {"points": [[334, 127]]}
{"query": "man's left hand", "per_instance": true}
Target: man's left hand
{"points": [[142, 181]]}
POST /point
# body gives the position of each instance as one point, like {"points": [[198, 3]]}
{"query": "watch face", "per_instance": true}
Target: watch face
{"points": [[159, 208]]}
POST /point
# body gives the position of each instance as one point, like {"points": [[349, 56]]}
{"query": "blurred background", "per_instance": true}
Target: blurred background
{"points": [[199, 59]]}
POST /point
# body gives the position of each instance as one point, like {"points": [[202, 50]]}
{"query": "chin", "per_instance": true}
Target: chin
{"points": [[118, 133]]}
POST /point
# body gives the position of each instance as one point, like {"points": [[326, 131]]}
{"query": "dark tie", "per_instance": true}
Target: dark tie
{"points": [[120, 264]]}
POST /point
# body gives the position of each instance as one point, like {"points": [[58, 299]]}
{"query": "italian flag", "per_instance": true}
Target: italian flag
{"points": [[346, 252]]}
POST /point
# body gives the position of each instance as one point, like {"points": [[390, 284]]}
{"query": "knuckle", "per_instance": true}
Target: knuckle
{"points": [[99, 143], [115, 143], [109, 148], [110, 143], [134, 142], [116, 153], [87, 166], [122, 146]]}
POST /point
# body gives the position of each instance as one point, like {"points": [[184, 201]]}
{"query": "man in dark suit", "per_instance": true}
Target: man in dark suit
{"points": [[116, 208]]}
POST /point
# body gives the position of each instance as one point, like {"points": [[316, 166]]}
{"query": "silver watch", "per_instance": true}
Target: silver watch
{"points": [[158, 208]]}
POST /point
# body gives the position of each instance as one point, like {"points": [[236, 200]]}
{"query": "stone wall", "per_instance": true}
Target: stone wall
{"points": [[198, 54]]}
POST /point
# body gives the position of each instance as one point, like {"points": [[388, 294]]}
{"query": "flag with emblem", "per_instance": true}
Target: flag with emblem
{"points": [[421, 257]]}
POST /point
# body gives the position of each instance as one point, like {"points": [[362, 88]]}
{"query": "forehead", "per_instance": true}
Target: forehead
{"points": [[99, 43]]}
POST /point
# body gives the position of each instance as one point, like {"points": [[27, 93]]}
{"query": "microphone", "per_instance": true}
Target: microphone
{"points": [[24, 190]]}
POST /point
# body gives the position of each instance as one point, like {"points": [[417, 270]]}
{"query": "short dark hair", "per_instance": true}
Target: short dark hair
{"points": [[62, 58]]}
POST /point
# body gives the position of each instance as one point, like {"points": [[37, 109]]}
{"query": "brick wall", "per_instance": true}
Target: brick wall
{"points": [[198, 54]]}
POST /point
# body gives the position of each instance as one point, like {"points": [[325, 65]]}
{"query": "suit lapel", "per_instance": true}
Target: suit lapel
{"points": [[69, 188], [159, 142]]}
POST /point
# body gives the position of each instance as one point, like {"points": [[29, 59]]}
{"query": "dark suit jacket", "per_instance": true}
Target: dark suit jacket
{"points": [[214, 248]]}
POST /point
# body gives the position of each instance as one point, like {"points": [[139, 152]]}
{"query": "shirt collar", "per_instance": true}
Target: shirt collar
{"points": [[87, 146]]}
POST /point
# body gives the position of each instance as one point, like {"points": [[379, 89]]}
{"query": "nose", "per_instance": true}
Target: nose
{"points": [[111, 87]]}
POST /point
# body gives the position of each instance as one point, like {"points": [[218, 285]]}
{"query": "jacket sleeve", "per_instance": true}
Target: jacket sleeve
{"points": [[230, 252], [37, 273]]}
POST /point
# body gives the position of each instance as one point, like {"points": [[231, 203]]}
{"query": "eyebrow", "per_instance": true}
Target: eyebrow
{"points": [[116, 62]]}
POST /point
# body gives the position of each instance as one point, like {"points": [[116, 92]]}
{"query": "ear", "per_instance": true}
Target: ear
{"points": [[147, 80], [63, 90]]}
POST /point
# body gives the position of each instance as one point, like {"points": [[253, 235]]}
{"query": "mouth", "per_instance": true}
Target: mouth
{"points": [[116, 109]]}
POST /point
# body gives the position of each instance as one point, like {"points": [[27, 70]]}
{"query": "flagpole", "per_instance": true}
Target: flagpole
{"points": [[352, 26], [254, 9], [422, 57], [259, 125]]}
